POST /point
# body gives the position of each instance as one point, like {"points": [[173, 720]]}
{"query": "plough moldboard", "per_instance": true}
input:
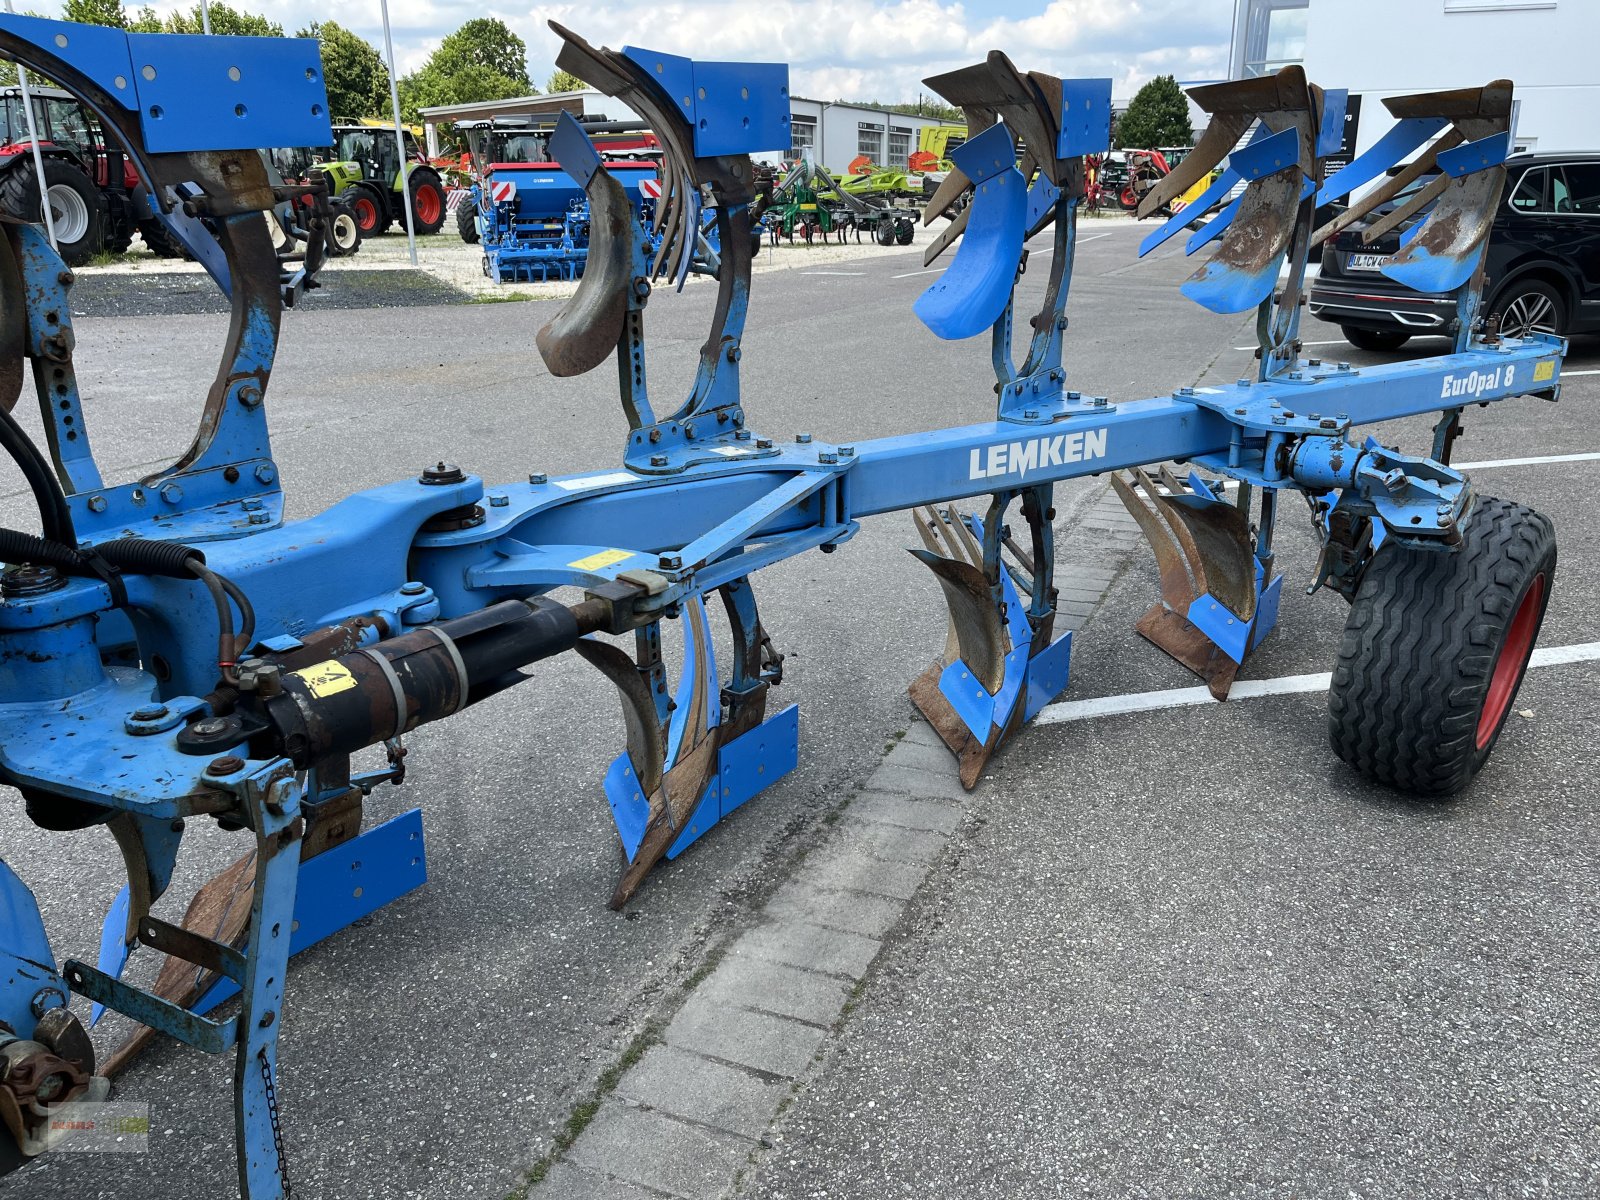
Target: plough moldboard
{"points": [[174, 651]]}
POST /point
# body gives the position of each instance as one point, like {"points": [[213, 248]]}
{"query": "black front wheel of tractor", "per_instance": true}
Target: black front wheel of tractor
{"points": [[467, 221], [344, 235], [1435, 648], [76, 206], [160, 241]]}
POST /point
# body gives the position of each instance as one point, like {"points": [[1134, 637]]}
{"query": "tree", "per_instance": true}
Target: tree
{"points": [[148, 21], [564, 81], [488, 43], [358, 84], [1158, 116], [483, 60], [224, 20], [96, 12]]}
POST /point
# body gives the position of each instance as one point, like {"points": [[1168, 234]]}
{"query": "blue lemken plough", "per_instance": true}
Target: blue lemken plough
{"points": [[172, 650]]}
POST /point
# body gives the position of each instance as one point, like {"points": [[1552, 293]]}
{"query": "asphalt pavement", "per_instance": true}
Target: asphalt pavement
{"points": [[1163, 953]]}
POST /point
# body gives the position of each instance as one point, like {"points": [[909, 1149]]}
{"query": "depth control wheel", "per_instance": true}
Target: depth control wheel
{"points": [[1435, 648]]}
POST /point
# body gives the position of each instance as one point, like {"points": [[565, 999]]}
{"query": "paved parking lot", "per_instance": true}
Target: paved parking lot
{"points": [[1169, 952]]}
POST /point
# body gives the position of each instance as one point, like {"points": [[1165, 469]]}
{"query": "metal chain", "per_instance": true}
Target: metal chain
{"points": [[272, 1115]]}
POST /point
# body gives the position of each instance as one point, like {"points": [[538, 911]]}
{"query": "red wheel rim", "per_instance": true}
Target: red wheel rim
{"points": [[1513, 657], [428, 203], [1130, 198], [366, 214]]}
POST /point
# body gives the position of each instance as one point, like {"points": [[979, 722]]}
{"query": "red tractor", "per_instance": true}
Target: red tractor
{"points": [[97, 200]]}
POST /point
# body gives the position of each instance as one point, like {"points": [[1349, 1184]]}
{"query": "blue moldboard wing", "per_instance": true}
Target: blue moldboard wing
{"points": [[195, 92], [1085, 117], [732, 107], [975, 289], [1440, 253]]}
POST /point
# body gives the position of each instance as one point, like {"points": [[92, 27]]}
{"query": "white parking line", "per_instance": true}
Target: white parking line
{"points": [[1335, 342], [1527, 462], [1570, 374], [909, 274], [1249, 689], [833, 272]]}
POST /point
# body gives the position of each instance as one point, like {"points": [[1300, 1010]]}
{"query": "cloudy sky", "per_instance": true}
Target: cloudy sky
{"points": [[837, 49]]}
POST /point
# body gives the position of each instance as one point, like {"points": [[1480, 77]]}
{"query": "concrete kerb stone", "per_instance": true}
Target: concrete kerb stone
{"points": [[646, 1147], [697, 1089]]}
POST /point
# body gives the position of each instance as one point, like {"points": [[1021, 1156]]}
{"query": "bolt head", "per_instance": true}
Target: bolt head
{"points": [[741, 435], [260, 518], [413, 588], [97, 504], [827, 456], [1239, 412], [847, 451], [1030, 414], [266, 473], [671, 562], [658, 460], [802, 438], [172, 493], [1244, 383], [440, 473], [1100, 401], [150, 712], [1344, 366], [538, 477], [1074, 395], [499, 501], [763, 443]]}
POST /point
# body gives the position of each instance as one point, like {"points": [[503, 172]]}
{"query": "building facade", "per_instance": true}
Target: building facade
{"points": [[837, 133], [834, 133], [1379, 48]]}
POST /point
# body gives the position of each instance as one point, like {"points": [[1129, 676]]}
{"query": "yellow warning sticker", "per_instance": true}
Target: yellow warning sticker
{"points": [[602, 559], [1545, 371], [326, 679]]}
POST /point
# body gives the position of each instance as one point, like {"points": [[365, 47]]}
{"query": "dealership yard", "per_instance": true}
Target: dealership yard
{"points": [[1164, 948]]}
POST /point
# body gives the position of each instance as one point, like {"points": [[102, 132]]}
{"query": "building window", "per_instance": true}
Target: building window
{"points": [[869, 140], [802, 136], [899, 146], [1271, 36]]}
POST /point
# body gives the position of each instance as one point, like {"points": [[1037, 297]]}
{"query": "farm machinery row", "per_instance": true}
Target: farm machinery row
{"points": [[174, 651]]}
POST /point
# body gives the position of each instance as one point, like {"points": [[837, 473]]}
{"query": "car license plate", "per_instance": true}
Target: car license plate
{"points": [[1365, 262]]}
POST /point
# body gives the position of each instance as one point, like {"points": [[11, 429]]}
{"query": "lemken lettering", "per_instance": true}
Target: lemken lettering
{"points": [[1018, 458]]}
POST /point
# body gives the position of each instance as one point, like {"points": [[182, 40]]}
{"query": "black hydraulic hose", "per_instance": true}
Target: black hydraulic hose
{"points": [[145, 556], [54, 515]]}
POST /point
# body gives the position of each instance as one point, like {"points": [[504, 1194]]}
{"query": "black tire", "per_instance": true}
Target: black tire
{"points": [[1373, 339], [427, 201], [904, 232], [80, 204], [1530, 306], [371, 208], [884, 233], [159, 241], [1435, 648], [344, 235], [467, 221]]}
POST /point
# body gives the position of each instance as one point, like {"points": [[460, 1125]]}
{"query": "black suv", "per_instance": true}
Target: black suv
{"points": [[1543, 271]]}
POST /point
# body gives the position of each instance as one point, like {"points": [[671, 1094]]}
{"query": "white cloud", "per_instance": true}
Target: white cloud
{"points": [[837, 49]]}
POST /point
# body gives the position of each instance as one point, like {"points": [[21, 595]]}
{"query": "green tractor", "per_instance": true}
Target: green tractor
{"points": [[363, 169]]}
